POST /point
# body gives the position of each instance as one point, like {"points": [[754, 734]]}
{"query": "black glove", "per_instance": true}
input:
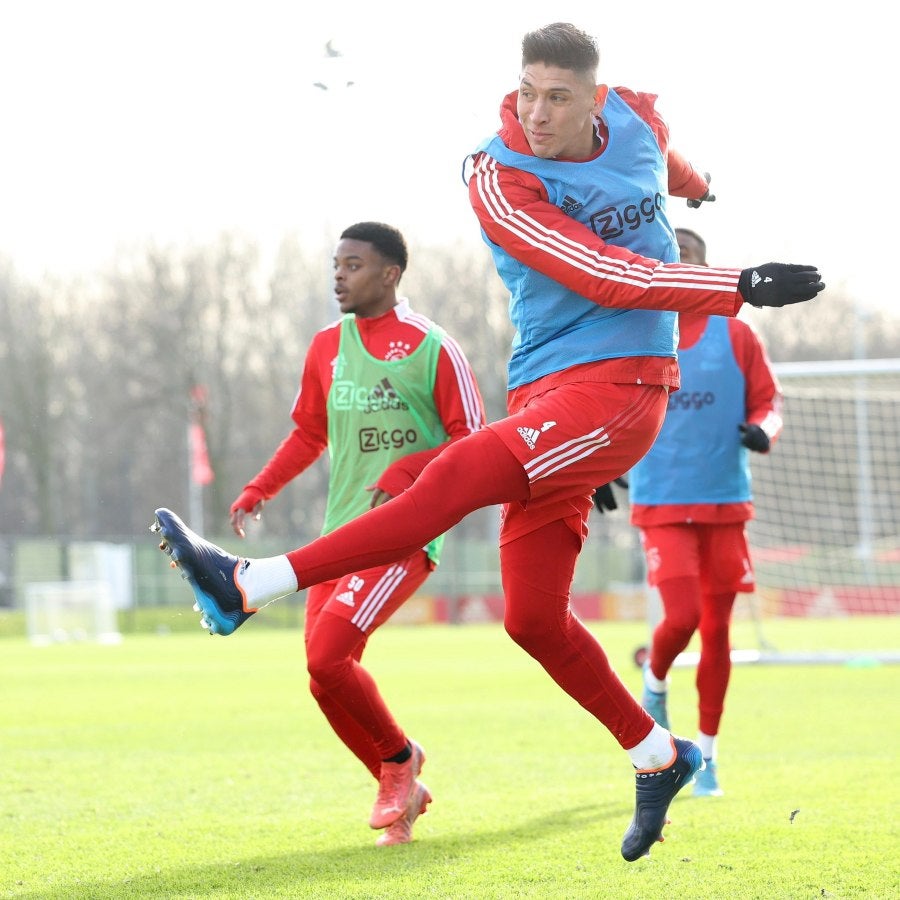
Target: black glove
{"points": [[707, 197], [604, 497], [779, 284], [754, 438]]}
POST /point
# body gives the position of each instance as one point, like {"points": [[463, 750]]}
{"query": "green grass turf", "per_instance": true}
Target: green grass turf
{"points": [[185, 766]]}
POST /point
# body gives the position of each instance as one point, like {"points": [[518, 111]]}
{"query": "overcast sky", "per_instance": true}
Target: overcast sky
{"points": [[174, 121]]}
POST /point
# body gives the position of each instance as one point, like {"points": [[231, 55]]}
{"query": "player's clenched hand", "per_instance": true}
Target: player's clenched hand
{"points": [[247, 504], [604, 497], [779, 284], [754, 438], [378, 496], [706, 198]]}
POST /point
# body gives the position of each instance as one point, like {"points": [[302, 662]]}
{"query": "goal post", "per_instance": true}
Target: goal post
{"points": [[825, 540], [826, 537], [63, 611]]}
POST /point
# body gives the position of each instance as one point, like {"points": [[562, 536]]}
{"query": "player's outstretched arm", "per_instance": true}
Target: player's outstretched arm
{"points": [[515, 214]]}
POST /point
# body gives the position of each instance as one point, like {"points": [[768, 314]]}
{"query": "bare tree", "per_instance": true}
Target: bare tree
{"points": [[38, 392], [833, 326], [96, 375]]}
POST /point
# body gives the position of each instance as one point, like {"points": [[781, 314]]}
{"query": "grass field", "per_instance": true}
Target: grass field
{"points": [[184, 766]]}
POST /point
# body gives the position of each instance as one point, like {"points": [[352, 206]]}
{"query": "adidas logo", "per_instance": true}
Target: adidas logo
{"points": [[756, 278], [348, 597], [530, 436], [383, 390], [383, 396], [245, 564]]}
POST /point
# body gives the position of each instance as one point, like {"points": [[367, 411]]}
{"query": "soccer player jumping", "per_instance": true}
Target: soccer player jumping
{"points": [[571, 196]]}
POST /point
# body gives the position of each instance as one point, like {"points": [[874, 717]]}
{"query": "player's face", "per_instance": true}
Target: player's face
{"points": [[556, 108], [689, 250], [364, 281]]}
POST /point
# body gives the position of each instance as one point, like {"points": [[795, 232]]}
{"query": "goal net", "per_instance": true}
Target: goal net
{"points": [[826, 537], [61, 611]]}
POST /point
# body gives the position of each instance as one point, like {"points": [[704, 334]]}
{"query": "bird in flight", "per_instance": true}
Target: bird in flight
{"points": [[331, 52]]}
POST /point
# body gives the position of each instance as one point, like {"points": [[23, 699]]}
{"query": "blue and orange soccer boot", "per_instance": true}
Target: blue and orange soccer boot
{"points": [[706, 784], [656, 788], [210, 571]]}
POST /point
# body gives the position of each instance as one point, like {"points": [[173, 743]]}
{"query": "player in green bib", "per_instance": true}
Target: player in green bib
{"points": [[371, 427], [384, 390]]}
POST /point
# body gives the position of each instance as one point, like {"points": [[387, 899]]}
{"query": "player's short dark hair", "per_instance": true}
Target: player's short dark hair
{"points": [[561, 45], [386, 239], [693, 234]]}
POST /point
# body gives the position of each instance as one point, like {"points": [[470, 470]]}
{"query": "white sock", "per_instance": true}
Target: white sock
{"points": [[707, 745], [656, 751], [652, 683], [265, 580]]}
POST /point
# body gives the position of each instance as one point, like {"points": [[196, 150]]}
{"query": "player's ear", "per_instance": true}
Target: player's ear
{"points": [[600, 98]]}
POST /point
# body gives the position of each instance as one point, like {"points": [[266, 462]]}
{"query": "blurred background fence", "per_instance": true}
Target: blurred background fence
{"points": [[109, 385], [826, 540]]}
